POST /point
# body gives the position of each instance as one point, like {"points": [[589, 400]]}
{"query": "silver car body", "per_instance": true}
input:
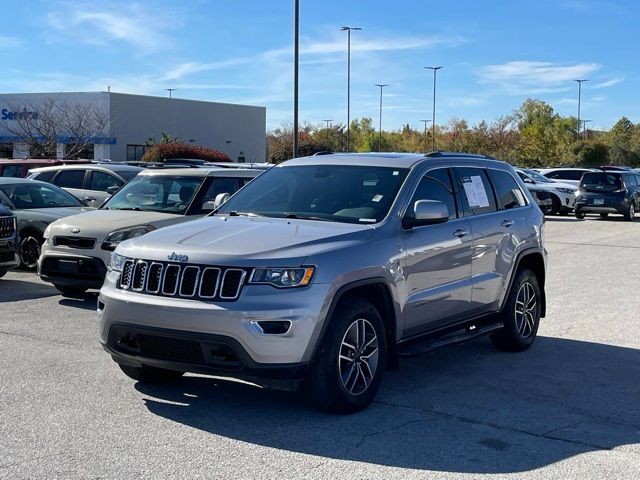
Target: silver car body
{"points": [[434, 275], [96, 226], [567, 175], [565, 193]]}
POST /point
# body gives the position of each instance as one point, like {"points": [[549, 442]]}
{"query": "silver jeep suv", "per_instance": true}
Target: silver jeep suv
{"points": [[324, 270]]}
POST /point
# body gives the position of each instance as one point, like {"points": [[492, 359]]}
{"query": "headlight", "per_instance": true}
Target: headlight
{"points": [[45, 235], [116, 263], [283, 277], [114, 238], [566, 190]]}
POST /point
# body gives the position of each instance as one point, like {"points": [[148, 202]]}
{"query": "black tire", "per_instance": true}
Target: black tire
{"points": [[556, 206], [579, 215], [335, 362], [29, 249], [147, 374], [520, 314], [604, 215], [630, 213], [2, 273], [72, 292]]}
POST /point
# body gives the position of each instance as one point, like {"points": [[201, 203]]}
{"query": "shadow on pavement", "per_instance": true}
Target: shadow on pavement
{"points": [[12, 290], [86, 301], [463, 409]]}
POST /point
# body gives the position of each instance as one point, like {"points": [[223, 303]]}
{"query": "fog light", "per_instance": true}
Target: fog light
{"points": [[272, 327]]}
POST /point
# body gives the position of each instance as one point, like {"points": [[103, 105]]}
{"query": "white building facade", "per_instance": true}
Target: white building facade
{"points": [[237, 130]]}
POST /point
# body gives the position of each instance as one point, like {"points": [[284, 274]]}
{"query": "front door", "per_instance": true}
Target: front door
{"points": [[437, 261]]}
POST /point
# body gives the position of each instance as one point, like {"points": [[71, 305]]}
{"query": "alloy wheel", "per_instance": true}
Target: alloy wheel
{"points": [[358, 356], [29, 251], [525, 310]]}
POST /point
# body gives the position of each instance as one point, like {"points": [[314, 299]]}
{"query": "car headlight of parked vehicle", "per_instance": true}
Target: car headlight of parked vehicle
{"points": [[282, 277], [114, 238], [566, 190], [116, 263]]}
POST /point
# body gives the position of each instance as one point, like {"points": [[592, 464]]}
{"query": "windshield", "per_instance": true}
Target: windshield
{"points": [[600, 181], [340, 193], [127, 174], [157, 193], [36, 195], [537, 177]]}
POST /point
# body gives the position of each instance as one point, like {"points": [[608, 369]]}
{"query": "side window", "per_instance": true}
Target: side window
{"points": [[435, 185], [45, 176], [101, 181], [12, 171], [70, 179], [507, 190], [475, 189]]}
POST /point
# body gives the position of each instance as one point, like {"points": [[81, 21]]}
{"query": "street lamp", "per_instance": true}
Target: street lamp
{"points": [[170, 90], [584, 129], [433, 120], [348, 30], [579, 81], [425, 132], [328, 121], [381, 85], [296, 52]]}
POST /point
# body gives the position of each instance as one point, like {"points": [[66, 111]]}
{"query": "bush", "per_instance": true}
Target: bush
{"points": [[163, 151]]}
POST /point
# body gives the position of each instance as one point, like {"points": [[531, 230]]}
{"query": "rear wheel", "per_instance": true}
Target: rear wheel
{"points": [[520, 315], [147, 374], [630, 213], [72, 292], [347, 371], [30, 250], [556, 206], [579, 215]]}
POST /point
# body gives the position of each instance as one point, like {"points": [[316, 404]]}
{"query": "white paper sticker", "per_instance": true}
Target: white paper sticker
{"points": [[476, 194], [376, 198]]}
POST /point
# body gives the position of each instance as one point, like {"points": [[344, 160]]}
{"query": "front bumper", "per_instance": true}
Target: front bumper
{"points": [[231, 322], [8, 256], [72, 270]]}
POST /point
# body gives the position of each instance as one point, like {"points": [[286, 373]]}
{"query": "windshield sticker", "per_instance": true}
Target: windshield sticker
{"points": [[396, 172], [367, 220], [376, 198], [476, 194]]}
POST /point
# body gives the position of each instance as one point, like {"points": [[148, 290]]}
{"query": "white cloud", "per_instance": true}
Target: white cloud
{"points": [[189, 68], [9, 42], [608, 83], [537, 73], [96, 23]]}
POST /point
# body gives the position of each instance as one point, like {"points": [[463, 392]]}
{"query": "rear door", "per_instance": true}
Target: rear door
{"points": [[437, 261], [491, 229]]}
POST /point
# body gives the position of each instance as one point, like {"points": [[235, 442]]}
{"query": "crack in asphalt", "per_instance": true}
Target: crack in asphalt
{"points": [[388, 429]]}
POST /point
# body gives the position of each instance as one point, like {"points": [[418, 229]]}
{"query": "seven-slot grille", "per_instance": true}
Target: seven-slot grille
{"points": [[184, 281], [7, 227]]}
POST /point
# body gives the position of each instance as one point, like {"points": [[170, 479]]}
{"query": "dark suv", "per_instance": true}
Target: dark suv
{"points": [[8, 254], [609, 191]]}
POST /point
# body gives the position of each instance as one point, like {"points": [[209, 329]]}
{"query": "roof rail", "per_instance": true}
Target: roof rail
{"points": [[440, 153], [323, 152]]}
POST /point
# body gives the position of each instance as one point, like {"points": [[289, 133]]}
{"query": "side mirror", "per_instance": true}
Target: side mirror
{"points": [[528, 180], [220, 199], [113, 189], [426, 212]]}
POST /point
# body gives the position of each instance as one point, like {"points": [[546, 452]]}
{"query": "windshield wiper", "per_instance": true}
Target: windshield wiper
{"points": [[135, 209], [305, 217], [234, 213]]}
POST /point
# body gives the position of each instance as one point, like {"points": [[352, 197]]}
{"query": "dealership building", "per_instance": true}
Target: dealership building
{"points": [[131, 120]]}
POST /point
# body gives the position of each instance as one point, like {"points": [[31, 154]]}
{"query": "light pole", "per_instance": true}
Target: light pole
{"points": [[433, 118], [296, 51], [585, 132], [425, 132], [381, 85], [348, 30], [170, 90], [579, 81], [328, 121]]}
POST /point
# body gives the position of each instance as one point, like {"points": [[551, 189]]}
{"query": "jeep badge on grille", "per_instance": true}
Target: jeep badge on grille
{"points": [[175, 257]]}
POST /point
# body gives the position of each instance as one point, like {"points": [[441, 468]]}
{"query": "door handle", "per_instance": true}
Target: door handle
{"points": [[460, 233], [89, 199], [506, 223]]}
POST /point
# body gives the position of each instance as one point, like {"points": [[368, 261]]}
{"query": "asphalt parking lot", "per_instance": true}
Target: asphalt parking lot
{"points": [[569, 407]]}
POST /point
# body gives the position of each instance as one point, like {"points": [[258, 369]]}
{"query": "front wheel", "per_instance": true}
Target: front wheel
{"points": [[520, 314], [579, 215], [348, 369], [147, 374], [30, 250], [630, 213]]}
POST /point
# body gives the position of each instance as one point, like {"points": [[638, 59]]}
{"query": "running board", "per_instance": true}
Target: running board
{"points": [[429, 345]]}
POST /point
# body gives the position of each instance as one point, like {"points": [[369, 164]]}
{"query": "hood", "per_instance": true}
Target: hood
{"points": [[52, 214], [244, 241], [550, 187], [100, 223]]}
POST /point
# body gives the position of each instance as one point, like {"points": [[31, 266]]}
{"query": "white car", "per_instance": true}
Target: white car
{"points": [[563, 195], [77, 250], [570, 176]]}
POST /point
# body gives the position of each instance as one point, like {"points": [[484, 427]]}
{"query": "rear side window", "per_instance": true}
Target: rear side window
{"points": [[630, 180], [44, 176], [435, 185], [70, 179], [14, 171], [476, 191], [507, 190]]}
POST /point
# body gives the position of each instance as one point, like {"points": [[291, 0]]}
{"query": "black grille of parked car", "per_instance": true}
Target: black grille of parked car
{"points": [[182, 281], [170, 348], [7, 227], [7, 256], [74, 242]]}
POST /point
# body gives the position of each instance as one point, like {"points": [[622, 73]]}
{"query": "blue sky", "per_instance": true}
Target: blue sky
{"points": [[495, 54]]}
